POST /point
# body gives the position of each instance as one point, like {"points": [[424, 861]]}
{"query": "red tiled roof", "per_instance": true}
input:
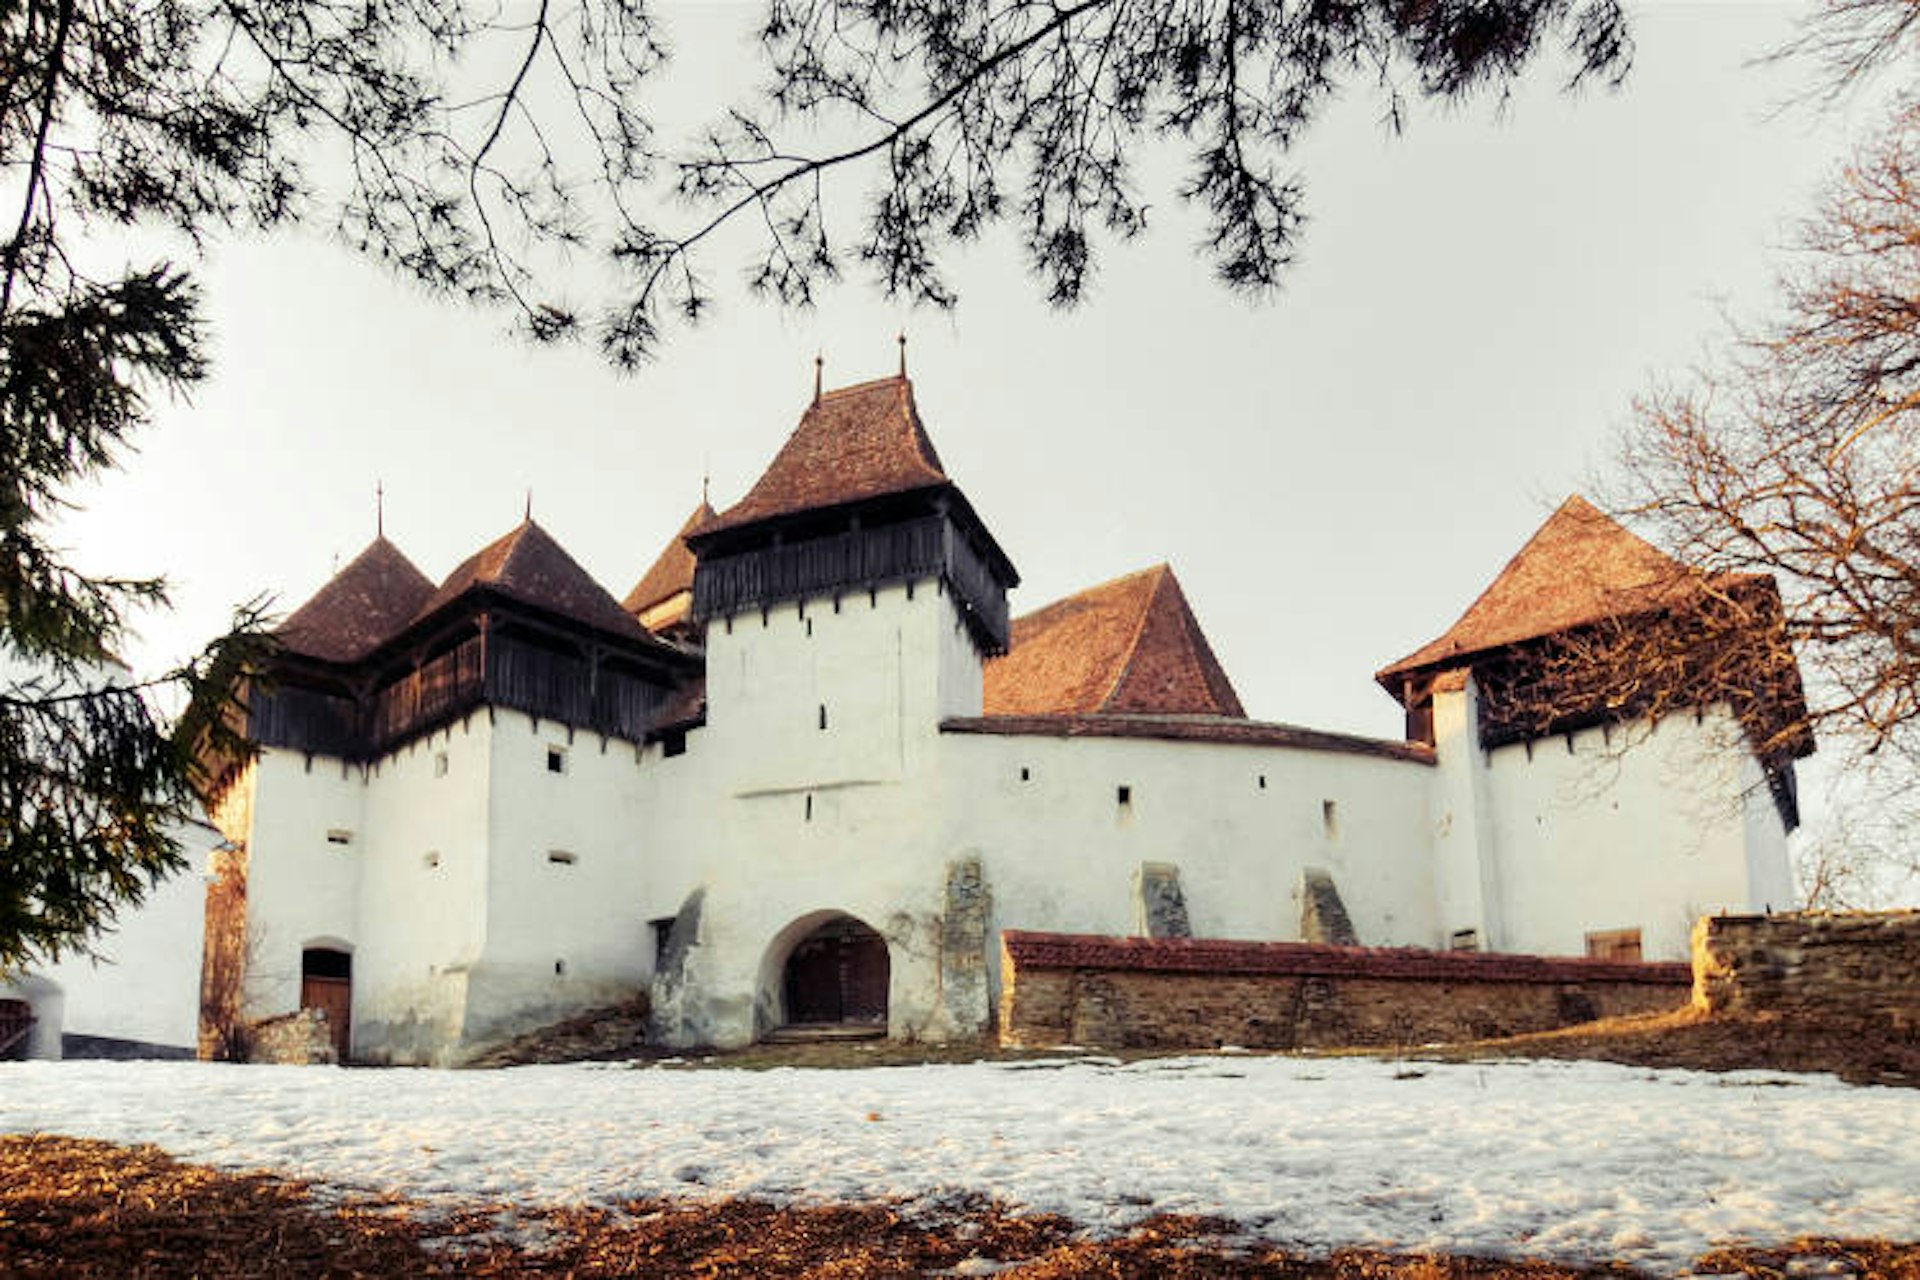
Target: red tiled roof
{"points": [[1130, 646], [360, 607], [856, 442], [1222, 729], [1314, 959], [1580, 567], [529, 566], [672, 572]]}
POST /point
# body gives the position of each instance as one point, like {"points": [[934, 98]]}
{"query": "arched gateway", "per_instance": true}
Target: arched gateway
{"points": [[836, 974]]}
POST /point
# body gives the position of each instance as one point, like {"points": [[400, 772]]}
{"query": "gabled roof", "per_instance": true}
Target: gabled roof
{"points": [[672, 572], [1580, 567], [527, 565], [857, 442], [359, 608], [1127, 647]]}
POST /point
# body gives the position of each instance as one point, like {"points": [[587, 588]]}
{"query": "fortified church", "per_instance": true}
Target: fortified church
{"points": [[808, 769]]}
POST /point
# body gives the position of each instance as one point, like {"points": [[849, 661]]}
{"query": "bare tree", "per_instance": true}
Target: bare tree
{"points": [[1797, 454]]}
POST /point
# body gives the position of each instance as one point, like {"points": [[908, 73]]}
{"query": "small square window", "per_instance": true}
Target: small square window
{"points": [[1124, 795], [556, 759], [431, 861]]}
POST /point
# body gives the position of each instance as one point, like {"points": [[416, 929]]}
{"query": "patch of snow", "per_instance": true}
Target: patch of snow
{"points": [[1573, 1161]]}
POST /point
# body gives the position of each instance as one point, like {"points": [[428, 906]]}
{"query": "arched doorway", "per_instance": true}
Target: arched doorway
{"points": [[326, 984], [837, 974]]}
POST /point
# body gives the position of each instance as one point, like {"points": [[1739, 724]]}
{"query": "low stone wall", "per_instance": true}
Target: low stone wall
{"points": [[1201, 993], [1854, 967], [292, 1039]]}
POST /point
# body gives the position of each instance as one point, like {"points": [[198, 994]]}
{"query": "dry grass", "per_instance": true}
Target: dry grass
{"points": [[76, 1208], [1860, 1053]]}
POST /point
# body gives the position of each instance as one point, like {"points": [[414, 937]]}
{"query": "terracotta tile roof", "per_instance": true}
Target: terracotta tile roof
{"points": [[1221, 729], [527, 565], [1130, 646], [1580, 567], [1315, 959], [672, 572], [360, 607], [852, 443]]}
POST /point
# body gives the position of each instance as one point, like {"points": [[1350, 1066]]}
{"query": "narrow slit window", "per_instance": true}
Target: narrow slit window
{"points": [[823, 717], [1330, 818], [1026, 774], [439, 764], [1124, 795], [562, 857], [339, 835]]}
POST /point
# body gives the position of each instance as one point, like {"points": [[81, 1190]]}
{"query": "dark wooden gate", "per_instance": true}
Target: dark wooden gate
{"points": [[326, 984], [838, 973]]}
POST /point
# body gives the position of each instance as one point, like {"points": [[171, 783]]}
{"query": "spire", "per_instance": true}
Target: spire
{"points": [[379, 509], [903, 352], [528, 517], [819, 372]]}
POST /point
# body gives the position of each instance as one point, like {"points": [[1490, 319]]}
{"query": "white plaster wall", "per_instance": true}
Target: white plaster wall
{"points": [[49, 1003], [422, 892], [780, 821], [1641, 827], [299, 887], [1769, 855], [562, 936], [1060, 852], [145, 984], [1465, 859]]}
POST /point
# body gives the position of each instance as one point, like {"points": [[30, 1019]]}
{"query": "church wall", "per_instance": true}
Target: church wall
{"points": [[299, 885], [783, 823], [1641, 827], [570, 850], [422, 893], [145, 987], [1061, 851]]}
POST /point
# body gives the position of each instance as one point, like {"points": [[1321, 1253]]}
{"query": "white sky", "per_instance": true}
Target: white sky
{"points": [[1333, 474], [1579, 1161]]}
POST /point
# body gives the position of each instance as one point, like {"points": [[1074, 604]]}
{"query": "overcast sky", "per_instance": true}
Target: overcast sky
{"points": [[1334, 474]]}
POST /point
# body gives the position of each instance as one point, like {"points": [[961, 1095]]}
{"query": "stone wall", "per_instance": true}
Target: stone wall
{"points": [[1201, 993], [292, 1039], [1851, 967]]}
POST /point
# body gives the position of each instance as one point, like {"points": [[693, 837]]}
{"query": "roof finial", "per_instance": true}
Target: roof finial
{"points": [[903, 353], [379, 509], [529, 515], [819, 367], [706, 485]]}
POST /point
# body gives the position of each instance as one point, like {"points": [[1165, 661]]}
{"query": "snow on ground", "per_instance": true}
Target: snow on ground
{"points": [[1566, 1160]]}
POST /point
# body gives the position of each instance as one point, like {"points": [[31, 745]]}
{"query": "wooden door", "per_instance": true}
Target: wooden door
{"points": [[333, 997]]}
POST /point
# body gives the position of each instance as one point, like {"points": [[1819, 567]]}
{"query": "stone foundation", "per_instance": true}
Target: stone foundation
{"points": [[1854, 967], [292, 1039], [1138, 993]]}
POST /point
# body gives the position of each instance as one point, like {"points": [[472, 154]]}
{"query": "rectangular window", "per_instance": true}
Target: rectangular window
{"points": [[562, 857], [556, 759], [339, 835], [662, 933], [1464, 940], [439, 764], [1614, 944]]}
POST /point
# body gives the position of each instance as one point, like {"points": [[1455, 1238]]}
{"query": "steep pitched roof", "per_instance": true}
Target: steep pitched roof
{"points": [[1127, 647], [672, 572], [361, 606], [856, 442], [1580, 567], [529, 566]]}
